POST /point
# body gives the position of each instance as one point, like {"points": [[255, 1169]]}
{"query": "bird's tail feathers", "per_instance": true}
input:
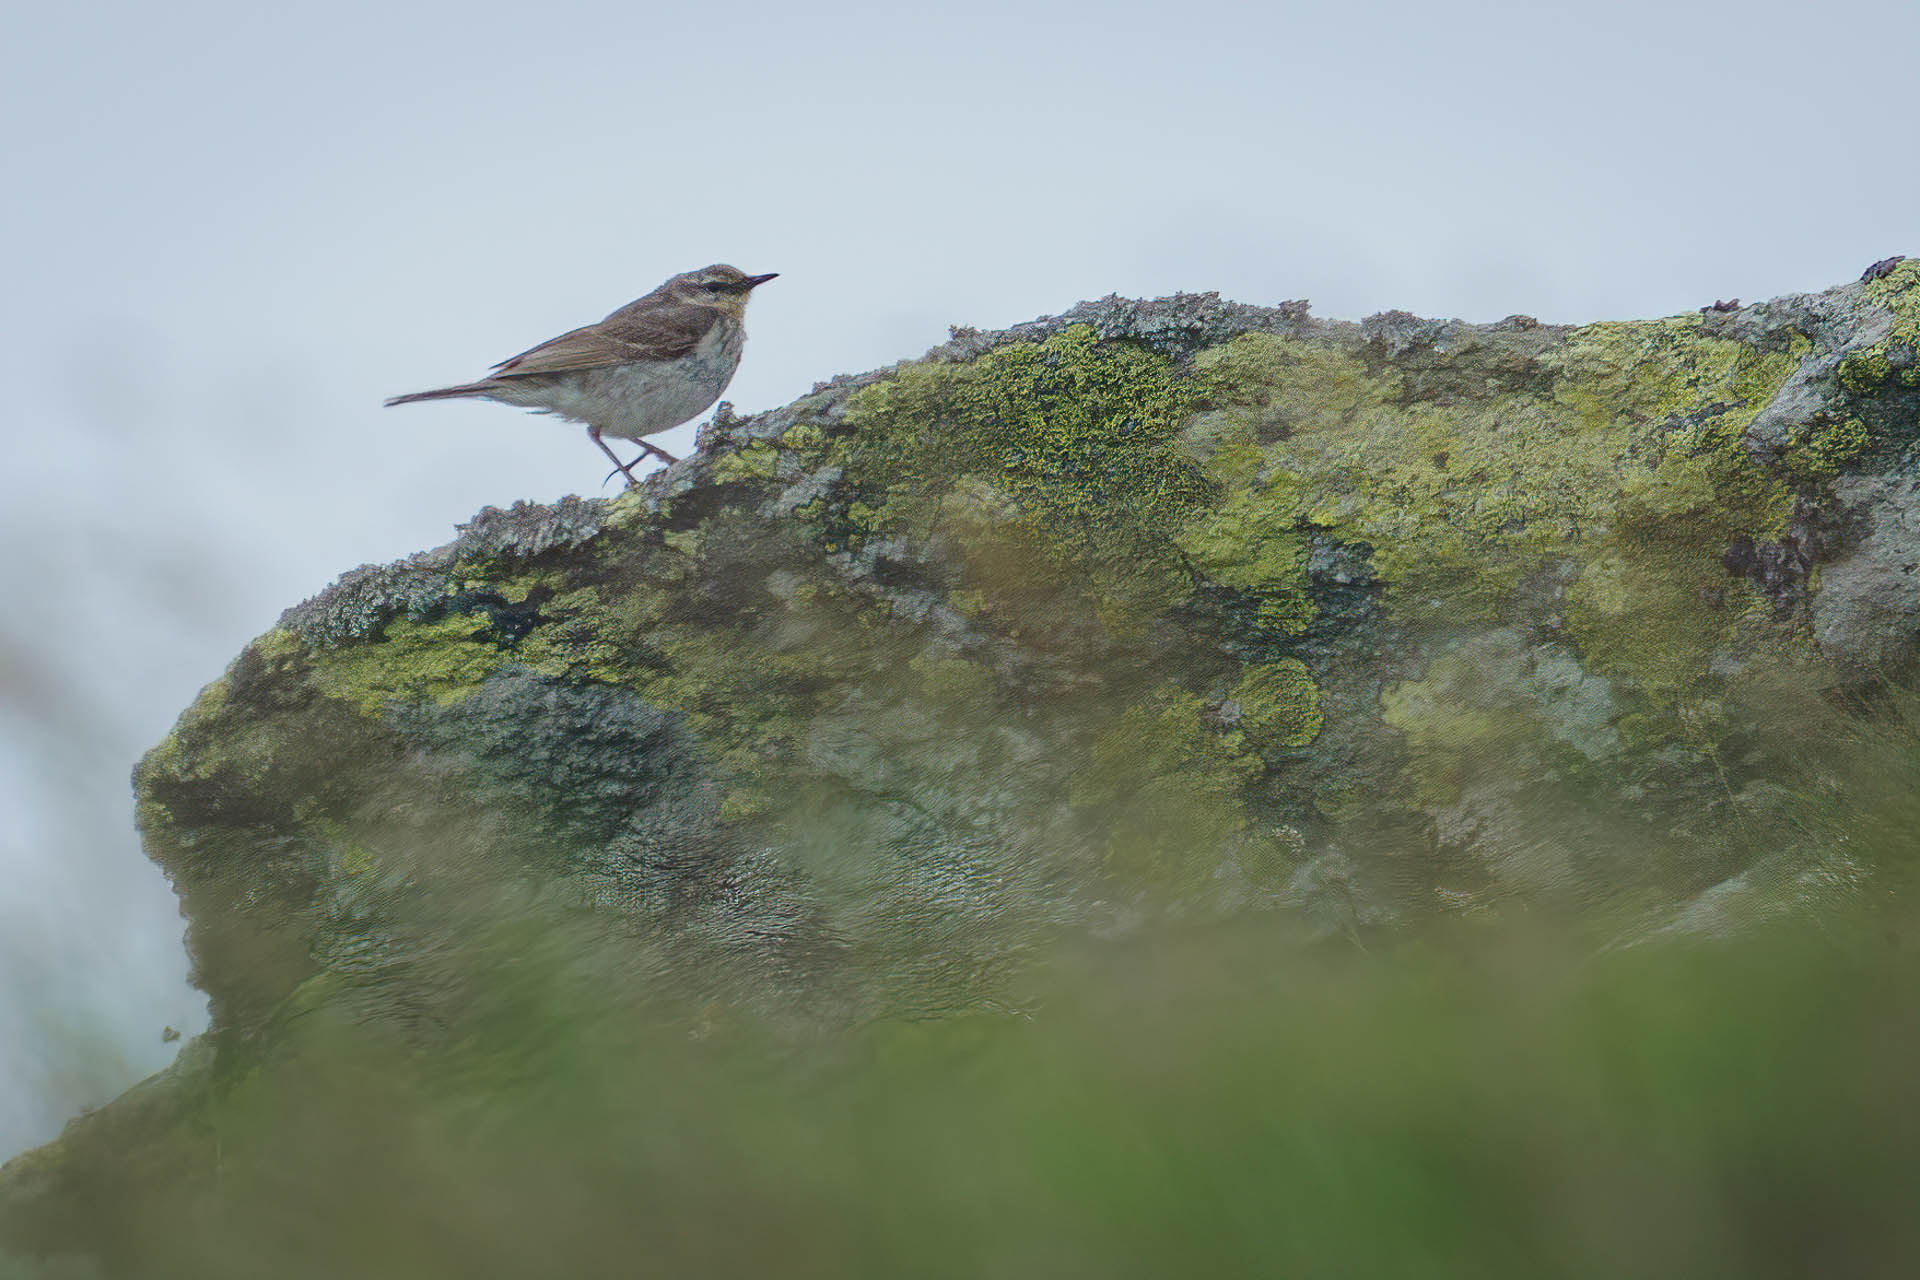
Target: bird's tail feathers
{"points": [[444, 393]]}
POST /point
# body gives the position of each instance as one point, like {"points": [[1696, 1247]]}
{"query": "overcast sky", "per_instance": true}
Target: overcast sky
{"points": [[232, 229]]}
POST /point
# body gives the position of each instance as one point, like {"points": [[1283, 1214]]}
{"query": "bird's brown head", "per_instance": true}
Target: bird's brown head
{"points": [[720, 286]]}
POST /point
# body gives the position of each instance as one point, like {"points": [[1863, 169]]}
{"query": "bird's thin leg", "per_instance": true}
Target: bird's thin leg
{"points": [[619, 467], [657, 452]]}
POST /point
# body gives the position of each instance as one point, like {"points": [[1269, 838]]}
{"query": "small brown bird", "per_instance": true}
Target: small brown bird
{"points": [[653, 364]]}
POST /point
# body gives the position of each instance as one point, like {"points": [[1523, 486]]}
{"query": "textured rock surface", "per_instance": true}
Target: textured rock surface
{"points": [[1181, 602]]}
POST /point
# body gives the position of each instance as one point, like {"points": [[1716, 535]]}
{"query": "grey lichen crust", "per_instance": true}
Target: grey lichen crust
{"points": [[364, 599], [1183, 605]]}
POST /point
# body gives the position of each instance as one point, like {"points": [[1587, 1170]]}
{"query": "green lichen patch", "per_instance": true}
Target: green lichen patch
{"points": [[1279, 704], [1865, 371], [1619, 455], [1899, 291], [757, 462], [1076, 436], [415, 661], [173, 756], [1896, 358], [1061, 480], [1253, 543], [223, 752], [1824, 447]]}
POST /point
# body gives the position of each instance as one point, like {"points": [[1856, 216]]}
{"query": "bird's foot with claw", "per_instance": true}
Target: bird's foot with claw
{"points": [[625, 471]]}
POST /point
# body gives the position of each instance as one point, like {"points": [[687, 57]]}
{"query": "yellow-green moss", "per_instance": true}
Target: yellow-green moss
{"points": [[755, 462], [1075, 430], [1251, 542], [1279, 704], [170, 756], [685, 541], [1271, 387], [804, 437], [1825, 446], [1621, 457], [417, 661], [1899, 292], [1075, 435], [744, 804], [1637, 608], [1864, 371]]}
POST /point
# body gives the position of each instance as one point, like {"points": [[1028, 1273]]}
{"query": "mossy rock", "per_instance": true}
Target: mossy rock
{"points": [[1183, 606], [947, 608]]}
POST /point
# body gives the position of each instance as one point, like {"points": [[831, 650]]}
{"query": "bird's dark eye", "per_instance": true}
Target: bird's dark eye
{"points": [[715, 286]]}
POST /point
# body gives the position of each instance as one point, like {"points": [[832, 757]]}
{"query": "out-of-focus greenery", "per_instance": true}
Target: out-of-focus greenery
{"points": [[1199, 1105], [1504, 1096]]}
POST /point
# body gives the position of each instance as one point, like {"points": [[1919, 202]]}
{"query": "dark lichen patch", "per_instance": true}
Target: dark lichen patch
{"points": [[587, 758], [364, 600]]}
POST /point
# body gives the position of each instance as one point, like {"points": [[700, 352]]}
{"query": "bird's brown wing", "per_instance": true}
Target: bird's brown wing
{"points": [[631, 335]]}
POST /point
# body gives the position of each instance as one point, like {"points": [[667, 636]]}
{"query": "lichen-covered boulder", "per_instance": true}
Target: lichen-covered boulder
{"points": [[1182, 598], [1180, 605]]}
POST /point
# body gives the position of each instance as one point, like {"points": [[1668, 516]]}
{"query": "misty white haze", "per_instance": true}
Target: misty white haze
{"points": [[232, 230]]}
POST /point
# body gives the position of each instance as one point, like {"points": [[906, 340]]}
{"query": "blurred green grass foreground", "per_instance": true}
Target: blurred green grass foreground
{"points": [[1508, 1094]]}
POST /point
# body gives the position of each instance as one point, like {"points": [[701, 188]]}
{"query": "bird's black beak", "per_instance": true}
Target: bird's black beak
{"points": [[754, 282]]}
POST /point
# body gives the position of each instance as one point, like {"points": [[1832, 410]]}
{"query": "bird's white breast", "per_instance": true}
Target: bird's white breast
{"points": [[634, 400]]}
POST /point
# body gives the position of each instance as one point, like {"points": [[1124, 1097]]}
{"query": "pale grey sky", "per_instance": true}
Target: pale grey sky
{"points": [[232, 229]]}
